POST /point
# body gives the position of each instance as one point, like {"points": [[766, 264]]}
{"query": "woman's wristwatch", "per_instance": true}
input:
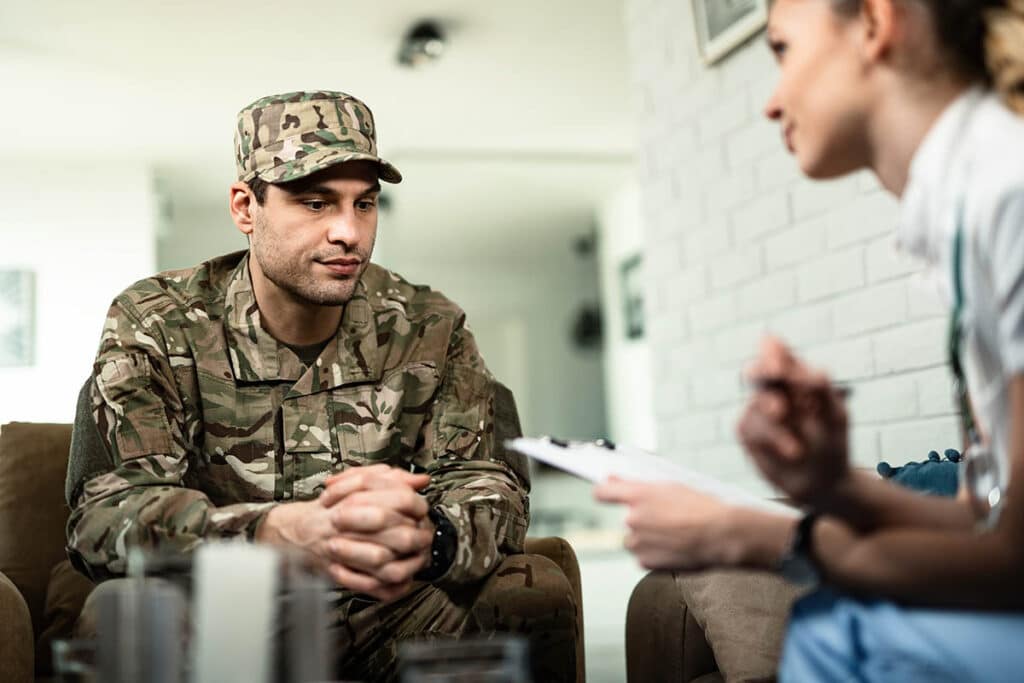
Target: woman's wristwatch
{"points": [[798, 565]]}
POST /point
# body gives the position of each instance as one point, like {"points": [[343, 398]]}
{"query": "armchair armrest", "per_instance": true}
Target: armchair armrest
{"points": [[561, 553], [664, 642], [16, 639]]}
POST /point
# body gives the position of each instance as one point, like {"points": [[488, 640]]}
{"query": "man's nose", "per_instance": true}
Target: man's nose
{"points": [[343, 229]]}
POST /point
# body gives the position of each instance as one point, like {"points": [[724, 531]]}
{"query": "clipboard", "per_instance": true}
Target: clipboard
{"points": [[597, 461]]}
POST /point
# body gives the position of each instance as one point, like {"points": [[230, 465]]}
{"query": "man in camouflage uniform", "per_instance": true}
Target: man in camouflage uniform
{"points": [[297, 394]]}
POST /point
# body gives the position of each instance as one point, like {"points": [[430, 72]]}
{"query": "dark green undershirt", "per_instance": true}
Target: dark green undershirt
{"points": [[309, 354]]}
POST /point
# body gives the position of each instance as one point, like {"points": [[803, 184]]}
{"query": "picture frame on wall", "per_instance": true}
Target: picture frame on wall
{"points": [[632, 288], [17, 318], [723, 25]]}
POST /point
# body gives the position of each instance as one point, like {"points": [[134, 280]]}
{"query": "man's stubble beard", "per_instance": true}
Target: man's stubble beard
{"points": [[296, 277]]}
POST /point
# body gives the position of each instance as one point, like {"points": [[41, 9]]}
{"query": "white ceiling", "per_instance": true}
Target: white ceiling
{"points": [[531, 93]]}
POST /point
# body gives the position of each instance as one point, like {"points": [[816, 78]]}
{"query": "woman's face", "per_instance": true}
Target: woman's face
{"points": [[822, 95]]}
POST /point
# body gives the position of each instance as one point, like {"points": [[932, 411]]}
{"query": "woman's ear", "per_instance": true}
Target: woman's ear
{"points": [[882, 24], [241, 203]]}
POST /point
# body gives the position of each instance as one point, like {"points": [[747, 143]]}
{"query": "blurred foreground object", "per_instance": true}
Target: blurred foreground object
{"points": [[498, 660]]}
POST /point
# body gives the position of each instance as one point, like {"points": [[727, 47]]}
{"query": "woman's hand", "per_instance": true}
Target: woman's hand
{"points": [[671, 526], [795, 426]]}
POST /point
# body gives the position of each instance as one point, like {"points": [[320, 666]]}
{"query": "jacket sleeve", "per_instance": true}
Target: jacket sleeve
{"points": [[479, 486], [138, 500]]}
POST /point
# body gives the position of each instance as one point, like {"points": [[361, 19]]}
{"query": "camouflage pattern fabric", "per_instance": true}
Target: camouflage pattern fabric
{"points": [[527, 595], [285, 137], [211, 422]]}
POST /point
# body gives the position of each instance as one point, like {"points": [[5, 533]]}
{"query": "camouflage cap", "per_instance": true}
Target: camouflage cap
{"points": [[286, 137]]}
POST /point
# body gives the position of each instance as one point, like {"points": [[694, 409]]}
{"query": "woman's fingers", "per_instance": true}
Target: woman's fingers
{"points": [[616, 490], [774, 359], [759, 432], [658, 552]]}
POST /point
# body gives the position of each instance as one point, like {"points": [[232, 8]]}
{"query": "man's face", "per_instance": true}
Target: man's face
{"points": [[313, 238]]}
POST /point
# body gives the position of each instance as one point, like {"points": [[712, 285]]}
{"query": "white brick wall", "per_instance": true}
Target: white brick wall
{"points": [[739, 243]]}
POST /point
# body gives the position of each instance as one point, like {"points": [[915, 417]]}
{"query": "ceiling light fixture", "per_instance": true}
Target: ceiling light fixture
{"points": [[424, 42]]}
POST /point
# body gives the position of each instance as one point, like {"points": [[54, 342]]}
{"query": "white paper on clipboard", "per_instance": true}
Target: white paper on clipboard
{"points": [[596, 463]]}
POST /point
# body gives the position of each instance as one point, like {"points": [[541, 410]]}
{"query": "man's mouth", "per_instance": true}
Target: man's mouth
{"points": [[342, 265], [787, 137]]}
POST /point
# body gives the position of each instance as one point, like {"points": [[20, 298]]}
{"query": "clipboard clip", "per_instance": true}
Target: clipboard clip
{"points": [[565, 443]]}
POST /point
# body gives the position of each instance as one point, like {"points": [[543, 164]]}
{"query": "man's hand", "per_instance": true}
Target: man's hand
{"points": [[368, 530], [384, 536], [795, 430]]}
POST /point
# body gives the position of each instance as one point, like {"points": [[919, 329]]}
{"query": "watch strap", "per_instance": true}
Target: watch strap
{"points": [[442, 549]]}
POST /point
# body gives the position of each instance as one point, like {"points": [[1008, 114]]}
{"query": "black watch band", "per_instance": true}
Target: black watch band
{"points": [[798, 565], [442, 550]]}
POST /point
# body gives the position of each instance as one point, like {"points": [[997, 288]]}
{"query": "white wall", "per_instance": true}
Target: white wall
{"points": [[190, 234], [628, 379], [522, 317], [738, 243], [88, 232]]}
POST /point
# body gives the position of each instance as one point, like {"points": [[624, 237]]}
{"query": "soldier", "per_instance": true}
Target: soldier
{"points": [[299, 395]]}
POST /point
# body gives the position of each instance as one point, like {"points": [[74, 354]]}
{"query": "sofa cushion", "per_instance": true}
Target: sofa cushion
{"points": [[33, 460], [65, 595], [744, 616]]}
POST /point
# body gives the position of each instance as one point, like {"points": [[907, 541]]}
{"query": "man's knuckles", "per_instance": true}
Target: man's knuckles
{"points": [[367, 517], [363, 554], [395, 573], [408, 540]]}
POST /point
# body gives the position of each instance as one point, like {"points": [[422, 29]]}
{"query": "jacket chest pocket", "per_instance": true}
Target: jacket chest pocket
{"points": [[311, 451], [238, 455], [383, 422]]}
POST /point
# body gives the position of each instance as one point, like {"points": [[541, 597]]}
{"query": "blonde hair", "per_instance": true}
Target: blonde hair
{"points": [[1004, 52]]}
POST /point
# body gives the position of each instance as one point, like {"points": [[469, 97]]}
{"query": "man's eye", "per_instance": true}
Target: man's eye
{"points": [[365, 204], [778, 48], [315, 204]]}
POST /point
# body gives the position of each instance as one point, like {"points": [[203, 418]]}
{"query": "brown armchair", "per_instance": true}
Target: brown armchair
{"points": [[707, 627], [41, 595]]}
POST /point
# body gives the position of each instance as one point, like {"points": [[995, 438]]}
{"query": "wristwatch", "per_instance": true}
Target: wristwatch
{"points": [[442, 550], [798, 565]]}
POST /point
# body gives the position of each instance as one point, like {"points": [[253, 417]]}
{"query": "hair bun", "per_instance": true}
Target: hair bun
{"points": [[1004, 52]]}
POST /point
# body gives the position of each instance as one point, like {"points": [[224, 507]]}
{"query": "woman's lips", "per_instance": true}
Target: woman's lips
{"points": [[787, 137]]}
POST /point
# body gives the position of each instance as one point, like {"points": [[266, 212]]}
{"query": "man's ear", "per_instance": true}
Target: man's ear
{"points": [[241, 204]]}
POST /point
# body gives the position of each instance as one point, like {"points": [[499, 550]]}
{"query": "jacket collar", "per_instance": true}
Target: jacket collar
{"points": [[256, 356]]}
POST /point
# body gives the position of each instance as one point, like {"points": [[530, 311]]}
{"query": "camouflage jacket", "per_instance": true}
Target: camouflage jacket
{"points": [[210, 421]]}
